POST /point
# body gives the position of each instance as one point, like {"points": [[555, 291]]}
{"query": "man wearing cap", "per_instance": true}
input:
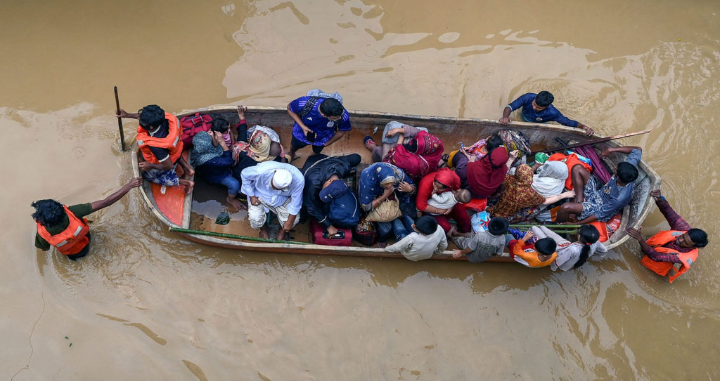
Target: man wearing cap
{"points": [[273, 187], [330, 202]]}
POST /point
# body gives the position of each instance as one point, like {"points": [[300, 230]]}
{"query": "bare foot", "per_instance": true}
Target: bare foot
{"points": [[264, 232], [189, 185], [188, 174], [235, 203]]}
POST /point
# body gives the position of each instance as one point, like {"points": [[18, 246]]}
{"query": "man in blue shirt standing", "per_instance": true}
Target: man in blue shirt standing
{"points": [[538, 108], [319, 122], [602, 204]]}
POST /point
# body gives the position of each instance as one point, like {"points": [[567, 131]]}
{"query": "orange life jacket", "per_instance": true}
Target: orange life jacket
{"points": [[171, 142], [571, 161], [71, 240], [527, 255], [663, 268]]}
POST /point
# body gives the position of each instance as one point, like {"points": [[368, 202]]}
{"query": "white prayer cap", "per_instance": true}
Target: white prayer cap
{"points": [[281, 179]]}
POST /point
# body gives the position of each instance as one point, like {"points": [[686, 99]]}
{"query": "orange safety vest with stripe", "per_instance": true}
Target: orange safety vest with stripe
{"points": [[71, 240], [171, 142], [663, 268]]}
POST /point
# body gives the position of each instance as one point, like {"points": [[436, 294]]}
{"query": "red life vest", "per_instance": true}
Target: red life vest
{"points": [[571, 161], [171, 142], [663, 268], [71, 240]]}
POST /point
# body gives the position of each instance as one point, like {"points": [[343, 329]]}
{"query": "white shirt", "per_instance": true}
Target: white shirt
{"points": [[568, 252], [416, 247], [257, 182]]}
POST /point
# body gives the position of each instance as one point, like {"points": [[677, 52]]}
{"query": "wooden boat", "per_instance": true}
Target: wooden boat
{"points": [[175, 209]]}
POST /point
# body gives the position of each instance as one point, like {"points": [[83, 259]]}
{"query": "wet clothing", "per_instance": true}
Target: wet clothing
{"points": [[416, 246], [80, 211], [483, 245], [550, 114], [323, 128], [676, 223], [343, 212], [607, 201]]}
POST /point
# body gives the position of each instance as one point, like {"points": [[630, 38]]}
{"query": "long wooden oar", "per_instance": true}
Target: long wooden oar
{"points": [[233, 236], [120, 126], [593, 141]]}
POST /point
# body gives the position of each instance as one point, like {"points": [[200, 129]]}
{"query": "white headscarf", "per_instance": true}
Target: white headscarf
{"points": [[550, 180]]}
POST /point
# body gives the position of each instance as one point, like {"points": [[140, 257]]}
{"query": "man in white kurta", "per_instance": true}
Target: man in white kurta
{"points": [[273, 187]]}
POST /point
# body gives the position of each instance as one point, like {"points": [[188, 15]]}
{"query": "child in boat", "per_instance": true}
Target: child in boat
{"points": [[426, 239], [571, 255], [479, 247], [448, 200], [534, 255], [223, 127]]}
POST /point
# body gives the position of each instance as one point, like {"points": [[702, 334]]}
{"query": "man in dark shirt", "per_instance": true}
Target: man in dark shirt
{"points": [[538, 108], [52, 216], [692, 239]]}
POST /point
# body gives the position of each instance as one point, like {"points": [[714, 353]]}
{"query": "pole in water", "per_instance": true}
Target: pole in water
{"points": [[120, 126]]}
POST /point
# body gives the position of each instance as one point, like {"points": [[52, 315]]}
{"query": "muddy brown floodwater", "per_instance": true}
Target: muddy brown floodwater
{"points": [[148, 305]]}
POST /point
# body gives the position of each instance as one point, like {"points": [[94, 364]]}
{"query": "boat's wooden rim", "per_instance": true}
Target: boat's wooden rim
{"points": [[367, 251]]}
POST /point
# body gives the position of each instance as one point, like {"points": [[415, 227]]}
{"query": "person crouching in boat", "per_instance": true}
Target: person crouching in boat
{"points": [[538, 108], [158, 137], [480, 246], [213, 159], [541, 253], [273, 187], [65, 227], [327, 198], [320, 121], [601, 204], [679, 245], [427, 238]]}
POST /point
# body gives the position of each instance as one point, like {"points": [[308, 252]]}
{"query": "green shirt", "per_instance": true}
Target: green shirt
{"points": [[79, 210]]}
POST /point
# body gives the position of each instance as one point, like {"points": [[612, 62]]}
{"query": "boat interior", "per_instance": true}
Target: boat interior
{"points": [[207, 210]]}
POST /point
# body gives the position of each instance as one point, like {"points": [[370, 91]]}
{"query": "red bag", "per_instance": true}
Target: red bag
{"points": [[191, 125], [319, 236], [365, 232]]}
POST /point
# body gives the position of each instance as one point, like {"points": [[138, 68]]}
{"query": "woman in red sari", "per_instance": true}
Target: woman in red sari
{"points": [[418, 157], [441, 181], [485, 176]]}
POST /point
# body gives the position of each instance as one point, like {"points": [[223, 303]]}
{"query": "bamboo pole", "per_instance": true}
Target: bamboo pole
{"points": [[120, 126], [557, 226], [593, 142], [234, 236]]}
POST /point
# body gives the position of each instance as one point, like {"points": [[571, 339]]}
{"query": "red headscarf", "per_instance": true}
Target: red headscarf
{"points": [[483, 179], [421, 162], [444, 176]]}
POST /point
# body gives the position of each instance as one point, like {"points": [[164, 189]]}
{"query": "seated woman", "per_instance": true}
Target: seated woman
{"points": [[519, 194], [383, 181], [418, 156], [573, 255], [459, 159], [262, 144], [391, 134], [549, 181], [441, 182], [484, 176], [212, 160]]}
